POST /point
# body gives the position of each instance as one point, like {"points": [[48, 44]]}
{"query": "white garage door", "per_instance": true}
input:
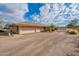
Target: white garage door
{"points": [[24, 30]]}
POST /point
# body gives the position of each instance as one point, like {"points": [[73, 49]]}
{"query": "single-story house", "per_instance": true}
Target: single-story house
{"points": [[26, 27]]}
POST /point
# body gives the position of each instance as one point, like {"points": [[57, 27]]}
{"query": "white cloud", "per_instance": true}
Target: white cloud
{"points": [[36, 18], [55, 13], [49, 12], [15, 11]]}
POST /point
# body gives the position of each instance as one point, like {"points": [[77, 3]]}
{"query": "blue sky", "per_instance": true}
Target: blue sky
{"points": [[45, 13], [33, 10]]}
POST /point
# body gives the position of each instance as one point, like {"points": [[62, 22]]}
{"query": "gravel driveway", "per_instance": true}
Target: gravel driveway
{"points": [[57, 43]]}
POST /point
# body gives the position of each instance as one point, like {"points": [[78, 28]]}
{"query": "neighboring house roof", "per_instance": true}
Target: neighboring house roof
{"points": [[28, 24]]}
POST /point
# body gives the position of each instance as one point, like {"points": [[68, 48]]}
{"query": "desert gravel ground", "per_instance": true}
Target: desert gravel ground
{"points": [[57, 43]]}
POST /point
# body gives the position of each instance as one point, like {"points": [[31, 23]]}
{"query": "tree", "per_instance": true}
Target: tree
{"points": [[73, 23], [52, 27], [2, 23]]}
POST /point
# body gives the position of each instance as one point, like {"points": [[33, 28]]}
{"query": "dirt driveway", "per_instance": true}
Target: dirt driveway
{"points": [[56, 43]]}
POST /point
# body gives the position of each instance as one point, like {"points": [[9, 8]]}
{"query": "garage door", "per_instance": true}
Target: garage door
{"points": [[23, 30]]}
